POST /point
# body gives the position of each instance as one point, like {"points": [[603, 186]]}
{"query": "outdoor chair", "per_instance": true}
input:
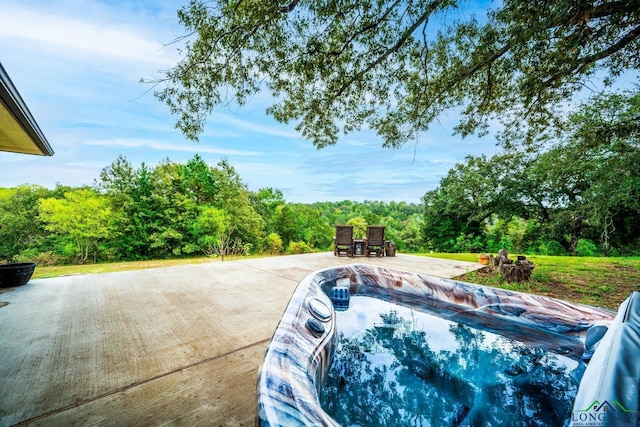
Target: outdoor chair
{"points": [[343, 241], [375, 240]]}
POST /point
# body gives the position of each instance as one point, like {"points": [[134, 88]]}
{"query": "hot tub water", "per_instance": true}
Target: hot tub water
{"points": [[395, 366]]}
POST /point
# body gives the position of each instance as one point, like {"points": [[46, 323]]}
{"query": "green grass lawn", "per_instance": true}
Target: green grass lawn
{"points": [[43, 272], [69, 270], [603, 282]]}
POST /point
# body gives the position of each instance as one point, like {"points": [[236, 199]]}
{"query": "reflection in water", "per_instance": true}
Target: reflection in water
{"points": [[405, 368]]}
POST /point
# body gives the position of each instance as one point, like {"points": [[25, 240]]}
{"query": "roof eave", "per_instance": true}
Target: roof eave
{"points": [[27, 137]]}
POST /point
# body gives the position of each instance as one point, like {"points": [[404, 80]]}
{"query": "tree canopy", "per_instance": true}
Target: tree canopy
{"points": [[175, 210], [581, 195], [81, 216], [395, 66], [585, 187]]}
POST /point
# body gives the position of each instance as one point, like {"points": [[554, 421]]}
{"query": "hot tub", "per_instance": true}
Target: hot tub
{"points": [[472, 352]]}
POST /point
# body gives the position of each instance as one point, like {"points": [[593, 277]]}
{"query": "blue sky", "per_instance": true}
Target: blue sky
{"points": [[78, 66]]}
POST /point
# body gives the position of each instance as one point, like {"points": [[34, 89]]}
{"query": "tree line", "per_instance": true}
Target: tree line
{"points": [[178, 210], [580, 195]]}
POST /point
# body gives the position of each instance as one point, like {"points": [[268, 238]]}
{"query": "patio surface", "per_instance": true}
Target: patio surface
{"points": [[167, 346]]}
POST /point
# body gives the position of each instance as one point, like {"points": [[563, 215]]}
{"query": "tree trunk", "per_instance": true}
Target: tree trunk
{"points": [[520, 271]]}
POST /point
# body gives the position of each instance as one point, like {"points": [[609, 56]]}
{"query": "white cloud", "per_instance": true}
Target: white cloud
{"points": [[188, 147], [77, 64], [81, 38], [246, 125]]}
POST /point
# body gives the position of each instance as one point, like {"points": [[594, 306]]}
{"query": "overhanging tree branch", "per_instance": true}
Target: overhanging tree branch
{"points": [[393, 49], [621, 44], [337, 65]]}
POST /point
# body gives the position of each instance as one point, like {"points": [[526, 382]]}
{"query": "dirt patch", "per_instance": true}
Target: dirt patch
{"points": [[3, 303]]}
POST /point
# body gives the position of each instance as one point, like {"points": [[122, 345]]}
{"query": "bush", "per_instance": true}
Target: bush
{"points": [[28, 255], [247, 249], [468, 243], [47, 258], [273, 244], [43, 258], [505, 242], [190, 248], [586, 248], [553, 248], [299, 248]]}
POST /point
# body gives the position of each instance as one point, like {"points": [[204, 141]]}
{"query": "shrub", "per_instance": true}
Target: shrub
{"points": [[47, 258], [247, 249], [190, 248], [553, 248], [468, 243], [586, 248], [299, 248], [273, 244], [28, 255], [43, 258]]}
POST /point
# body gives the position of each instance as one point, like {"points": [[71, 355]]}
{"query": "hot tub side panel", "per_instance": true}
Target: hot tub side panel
{"points": [[297, 360]]}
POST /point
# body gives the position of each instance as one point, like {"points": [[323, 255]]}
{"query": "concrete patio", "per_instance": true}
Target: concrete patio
{"points": [[166, 346]]}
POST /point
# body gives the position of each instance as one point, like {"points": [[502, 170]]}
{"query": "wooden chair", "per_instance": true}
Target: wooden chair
{"points": [[343, 241], [375, 240]]}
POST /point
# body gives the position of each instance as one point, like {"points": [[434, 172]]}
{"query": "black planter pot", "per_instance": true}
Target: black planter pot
{"points": [[16, 274]]}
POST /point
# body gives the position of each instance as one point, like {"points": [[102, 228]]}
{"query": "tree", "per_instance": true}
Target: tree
{"points": [[302, 223], [602, 152], [200, 179], [137, 232], [117, 179], [151, 207], [409, 237], [172, 208], [20, 229], [265, 202], [584, 187], [212, 230], [337, 66], [232, 196], [458, 208], [128, 192], [359, 226], [82, 215]]}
